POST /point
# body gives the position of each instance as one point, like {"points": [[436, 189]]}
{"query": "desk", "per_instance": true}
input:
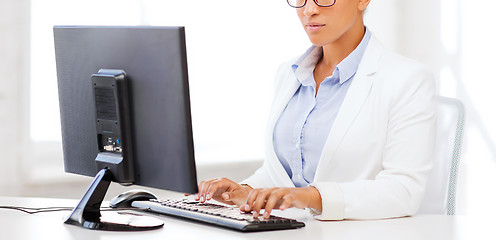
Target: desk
{"points": [[19, 225]]}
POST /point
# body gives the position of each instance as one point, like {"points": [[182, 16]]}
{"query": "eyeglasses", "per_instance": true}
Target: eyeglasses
{"points": [[320, 3]]}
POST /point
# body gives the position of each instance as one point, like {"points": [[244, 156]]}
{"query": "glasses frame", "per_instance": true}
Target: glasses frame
{"points": [[305, 3]]}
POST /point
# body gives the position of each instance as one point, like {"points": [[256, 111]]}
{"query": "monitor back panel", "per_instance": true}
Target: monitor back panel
{"points": [[154, 59]]}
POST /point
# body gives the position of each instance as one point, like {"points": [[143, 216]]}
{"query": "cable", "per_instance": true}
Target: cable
{"points": [[30, 210]]}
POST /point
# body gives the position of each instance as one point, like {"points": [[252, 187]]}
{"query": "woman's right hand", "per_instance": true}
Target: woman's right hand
{"points": [[223, 190]]}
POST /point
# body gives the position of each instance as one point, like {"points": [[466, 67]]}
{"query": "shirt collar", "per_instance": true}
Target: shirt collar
{"points": [[348, 66], [346, 69], [304, 66]]}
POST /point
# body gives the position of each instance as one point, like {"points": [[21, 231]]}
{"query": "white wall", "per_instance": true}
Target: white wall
{"points": [[14, 74]]}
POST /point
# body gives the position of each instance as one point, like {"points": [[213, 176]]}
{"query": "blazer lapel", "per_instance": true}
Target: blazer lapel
{"points": [[355, 98], [282, 99], [284, 92]]}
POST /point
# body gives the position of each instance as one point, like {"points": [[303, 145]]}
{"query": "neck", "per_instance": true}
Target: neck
{"points": [[339, 49]]}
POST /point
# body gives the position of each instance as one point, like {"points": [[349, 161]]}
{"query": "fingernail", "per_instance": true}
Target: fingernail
{"points": [[201, 199], [208, 196], [247, 207], [225, 196], [266, 215], [255, 214]]}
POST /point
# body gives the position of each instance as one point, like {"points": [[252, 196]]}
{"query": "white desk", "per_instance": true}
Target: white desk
{"points": [[19, 225]]}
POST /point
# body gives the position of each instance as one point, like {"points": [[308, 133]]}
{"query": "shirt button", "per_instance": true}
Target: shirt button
{"points": [[298, 176]]}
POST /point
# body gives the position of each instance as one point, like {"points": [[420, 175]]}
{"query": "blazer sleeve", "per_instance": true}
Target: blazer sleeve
{"points": [[260, 179], [407, 155]]}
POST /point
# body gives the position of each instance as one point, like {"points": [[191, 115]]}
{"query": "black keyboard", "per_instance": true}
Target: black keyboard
{"points": [[221, 215]]}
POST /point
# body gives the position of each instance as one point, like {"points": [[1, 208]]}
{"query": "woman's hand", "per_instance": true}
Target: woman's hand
{"points": [[223, 190], [281, 198]]}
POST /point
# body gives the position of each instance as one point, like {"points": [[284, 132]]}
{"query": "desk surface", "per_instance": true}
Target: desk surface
{"points": [[19, 225]]}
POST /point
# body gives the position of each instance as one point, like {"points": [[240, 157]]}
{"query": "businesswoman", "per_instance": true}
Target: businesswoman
{"points": [[351, 130]]}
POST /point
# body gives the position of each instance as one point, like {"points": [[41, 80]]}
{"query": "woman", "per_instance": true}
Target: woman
{"points": [[351, 130]]}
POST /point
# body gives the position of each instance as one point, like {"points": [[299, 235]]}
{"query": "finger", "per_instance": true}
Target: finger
{"points": [[199, 191], [204, 186], [287, 202], [237, 197], [260, 201], [225, 196], [219, 184], [247, 207], [272, 202], [212, 188]]}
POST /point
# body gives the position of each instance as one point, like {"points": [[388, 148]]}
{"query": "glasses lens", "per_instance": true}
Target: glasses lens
{"points": [[325, 3], [296, 3]]}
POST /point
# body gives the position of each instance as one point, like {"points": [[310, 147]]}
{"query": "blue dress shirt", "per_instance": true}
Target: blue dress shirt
{"points": [[302, 129]]}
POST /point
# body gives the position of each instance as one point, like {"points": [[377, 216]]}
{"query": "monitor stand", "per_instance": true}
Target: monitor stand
{"points": [[87, 213]]}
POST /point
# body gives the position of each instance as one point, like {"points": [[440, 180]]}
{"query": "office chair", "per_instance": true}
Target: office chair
{"points": [[440, 195]]}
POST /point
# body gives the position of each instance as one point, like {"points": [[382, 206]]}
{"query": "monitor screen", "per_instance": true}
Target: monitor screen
{"points": [[154, 62]]}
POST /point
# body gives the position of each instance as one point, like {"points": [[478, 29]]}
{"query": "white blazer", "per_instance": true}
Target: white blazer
{"points": [[380, 150]]}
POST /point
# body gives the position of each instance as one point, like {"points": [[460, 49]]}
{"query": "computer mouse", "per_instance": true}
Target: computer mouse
{"points": [[125, 199]]}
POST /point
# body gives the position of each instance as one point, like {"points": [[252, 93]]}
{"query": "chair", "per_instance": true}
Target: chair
{"points": [[440, 196]]}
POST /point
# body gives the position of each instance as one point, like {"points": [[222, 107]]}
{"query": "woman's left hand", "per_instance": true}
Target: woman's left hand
{"points": [[281, 198]]}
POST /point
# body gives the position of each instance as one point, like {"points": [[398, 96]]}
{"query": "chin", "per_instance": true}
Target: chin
{"points": [[318, 42], [321, 40]]}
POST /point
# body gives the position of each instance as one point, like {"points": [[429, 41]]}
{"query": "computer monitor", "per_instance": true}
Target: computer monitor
{"points": [[125, 111]]}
